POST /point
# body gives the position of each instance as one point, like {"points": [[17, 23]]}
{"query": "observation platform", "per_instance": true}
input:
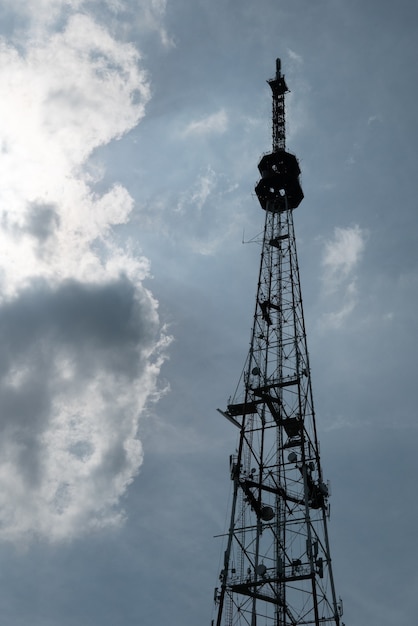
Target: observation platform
{"points": [[279, 180]]}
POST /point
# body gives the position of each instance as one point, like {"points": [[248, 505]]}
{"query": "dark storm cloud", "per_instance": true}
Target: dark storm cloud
{"points": [[98, 325], [78, 314], [74, 375]]}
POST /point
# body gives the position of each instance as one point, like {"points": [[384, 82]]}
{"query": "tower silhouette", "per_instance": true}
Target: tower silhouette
{"points": [[277, 565]]}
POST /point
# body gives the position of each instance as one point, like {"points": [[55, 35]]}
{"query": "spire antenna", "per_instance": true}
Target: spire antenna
{"points": [[279, 88]]}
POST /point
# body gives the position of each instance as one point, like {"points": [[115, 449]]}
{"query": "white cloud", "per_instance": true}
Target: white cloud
{"points": [[214, 123], [155, 13], [196, 197], [341, 257], [52, 117], [346, 306], [81, 344], [373, 119], [43, 16], [294, 56]]}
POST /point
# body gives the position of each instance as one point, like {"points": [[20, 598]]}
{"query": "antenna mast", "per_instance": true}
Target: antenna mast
{"points": [[277, 564]]}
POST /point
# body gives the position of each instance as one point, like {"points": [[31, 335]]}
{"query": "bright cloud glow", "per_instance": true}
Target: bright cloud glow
{"points": [[52, 117], [294, 56], [154, 13], [342, 254], [215, 123], [341, 257], [81, 345], [195, 198]]}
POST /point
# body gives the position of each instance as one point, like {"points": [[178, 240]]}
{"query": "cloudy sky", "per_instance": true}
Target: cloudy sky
{"points": [[130, 133]]}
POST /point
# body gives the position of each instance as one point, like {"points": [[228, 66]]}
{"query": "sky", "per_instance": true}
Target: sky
{"points": [[130, 136]]}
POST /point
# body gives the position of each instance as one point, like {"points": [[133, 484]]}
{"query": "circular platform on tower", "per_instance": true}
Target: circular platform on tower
{"points": [[279, 182]]}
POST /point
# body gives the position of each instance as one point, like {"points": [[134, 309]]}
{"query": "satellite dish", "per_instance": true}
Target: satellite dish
{"points": [[261, 569], [293, 457], [266, 513]]}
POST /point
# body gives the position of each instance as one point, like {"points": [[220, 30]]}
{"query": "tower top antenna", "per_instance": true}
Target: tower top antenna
{"points": [[279, 188], [278, 83], [279, 88]]}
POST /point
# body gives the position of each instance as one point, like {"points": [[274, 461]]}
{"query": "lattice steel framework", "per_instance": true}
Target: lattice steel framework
{"points": [[277, 565]]}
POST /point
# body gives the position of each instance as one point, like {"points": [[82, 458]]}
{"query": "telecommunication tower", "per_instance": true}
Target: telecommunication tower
{"points": [[277, 564]]}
